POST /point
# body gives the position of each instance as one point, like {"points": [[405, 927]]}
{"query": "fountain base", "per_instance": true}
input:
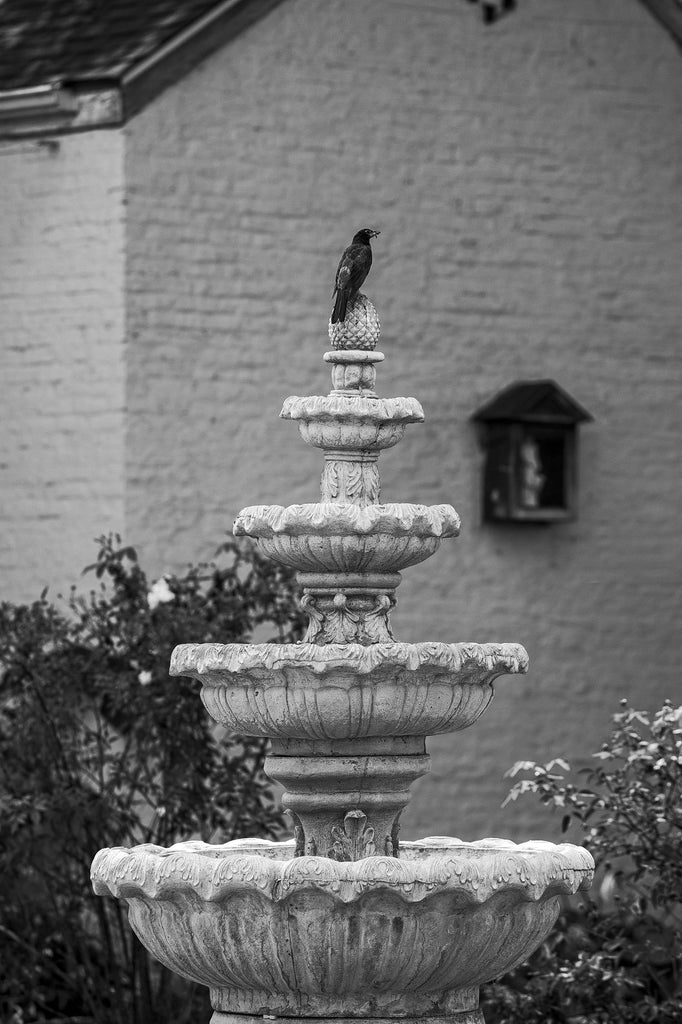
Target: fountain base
{"points": [[457, 1017], [456, 1006]]}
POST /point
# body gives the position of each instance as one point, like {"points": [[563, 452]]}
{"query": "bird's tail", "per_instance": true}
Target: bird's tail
{"points": [[339, 313]]}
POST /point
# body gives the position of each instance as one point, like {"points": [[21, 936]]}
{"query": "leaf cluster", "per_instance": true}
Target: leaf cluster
{"points": [[616, 956], [98, 747]]}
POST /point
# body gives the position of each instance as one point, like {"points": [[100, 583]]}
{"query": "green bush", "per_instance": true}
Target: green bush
{"points": [[616, 956], [98, 747]]}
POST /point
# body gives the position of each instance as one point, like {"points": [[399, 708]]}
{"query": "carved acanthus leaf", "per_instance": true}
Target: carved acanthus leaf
{"points": [[299, 837], [316, 619], [354, 841], [346, 481], [354, 476], [341, 625], [342, 621], [329, 485], [376, 625]]}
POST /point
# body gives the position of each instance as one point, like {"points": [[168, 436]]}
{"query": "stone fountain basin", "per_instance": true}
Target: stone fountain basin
{"points": [[335, 537], [273, 934], [346, 691], [357, 423]]}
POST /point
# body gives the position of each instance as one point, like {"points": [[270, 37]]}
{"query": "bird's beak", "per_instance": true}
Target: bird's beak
{"points": [[375, 234]]}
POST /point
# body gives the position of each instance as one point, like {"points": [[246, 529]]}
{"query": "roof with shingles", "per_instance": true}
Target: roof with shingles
{"points": [[529, 400], [46, 40]]}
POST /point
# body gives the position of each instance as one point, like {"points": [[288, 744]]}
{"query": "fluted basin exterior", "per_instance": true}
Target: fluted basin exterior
{"points": [[304, 691], [271, 933]]}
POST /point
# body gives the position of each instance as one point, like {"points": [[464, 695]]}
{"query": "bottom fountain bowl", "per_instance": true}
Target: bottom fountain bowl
{"points": [[272, 934]]}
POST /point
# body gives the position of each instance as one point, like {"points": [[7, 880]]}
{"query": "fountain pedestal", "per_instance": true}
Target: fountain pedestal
{"points": [[345, 921], [347, 798]]}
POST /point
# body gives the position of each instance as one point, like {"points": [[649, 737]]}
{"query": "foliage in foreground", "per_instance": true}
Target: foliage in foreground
{"points": [[615, 957], [98, 747]]}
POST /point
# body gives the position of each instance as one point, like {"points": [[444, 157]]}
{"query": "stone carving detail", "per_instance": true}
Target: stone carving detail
{"points": [[353, 378], [360, 329], [358, 408], [480, 662], [338, 618], [299, 837], [302, 847], [329, 519], [377, 624], [476, 871], [352, 422], [351, 482], [392, 844], [315, 633], [354, 841], [348, 554]]}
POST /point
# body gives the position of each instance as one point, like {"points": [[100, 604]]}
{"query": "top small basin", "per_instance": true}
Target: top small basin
{"points": [[353, 423]]}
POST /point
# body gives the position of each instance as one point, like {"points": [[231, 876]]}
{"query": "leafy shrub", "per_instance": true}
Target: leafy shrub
{"points": [[98, 747], [615, 957]]}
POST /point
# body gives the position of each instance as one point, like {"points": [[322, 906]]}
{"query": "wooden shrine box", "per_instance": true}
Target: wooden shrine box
{"points": [[530, 435]]}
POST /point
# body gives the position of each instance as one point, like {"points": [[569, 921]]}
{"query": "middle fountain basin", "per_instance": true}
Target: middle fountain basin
{"points": [[346, 538], [271, 933], [347, 691]]}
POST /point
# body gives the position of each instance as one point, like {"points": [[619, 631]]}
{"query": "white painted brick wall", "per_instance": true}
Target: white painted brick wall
{"points": [[525, 181], [61, 306]]}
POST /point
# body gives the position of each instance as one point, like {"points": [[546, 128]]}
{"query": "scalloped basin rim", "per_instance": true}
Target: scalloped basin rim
{"points": [[337, 519], [379, 410], [287, 846], [475, 871], [501, 658]]}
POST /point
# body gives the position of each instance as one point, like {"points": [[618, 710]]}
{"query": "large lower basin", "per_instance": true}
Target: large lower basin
{"points": [[270, 933], [306, 691]]}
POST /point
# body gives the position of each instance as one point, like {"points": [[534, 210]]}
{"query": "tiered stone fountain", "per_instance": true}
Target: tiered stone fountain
{"points": [[344, 921]]}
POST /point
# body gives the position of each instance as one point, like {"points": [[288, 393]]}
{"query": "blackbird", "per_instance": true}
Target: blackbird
{"points": [[353, 269]]}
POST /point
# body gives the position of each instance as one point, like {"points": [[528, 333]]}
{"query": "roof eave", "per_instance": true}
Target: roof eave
{"points": [[56, 107], [669, 13], [521, 403], [146, 79], [86, 103]]}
